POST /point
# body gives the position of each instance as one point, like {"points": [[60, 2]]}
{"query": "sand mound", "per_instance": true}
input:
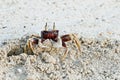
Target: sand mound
{"points": [[100, 60]]}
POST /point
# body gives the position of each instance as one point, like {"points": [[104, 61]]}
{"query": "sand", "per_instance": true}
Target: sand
{"points": [[96, 22], [99, 60]]}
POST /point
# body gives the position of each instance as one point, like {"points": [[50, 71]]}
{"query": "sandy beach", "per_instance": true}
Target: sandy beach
{"points": [[95, 22], [99, 60]]}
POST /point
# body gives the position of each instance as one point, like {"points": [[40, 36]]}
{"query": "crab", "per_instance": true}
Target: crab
{"points": [[36, 42]]}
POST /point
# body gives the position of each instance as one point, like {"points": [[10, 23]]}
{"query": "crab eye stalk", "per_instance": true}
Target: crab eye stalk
{"points": [[46, 26], [54, 26]]}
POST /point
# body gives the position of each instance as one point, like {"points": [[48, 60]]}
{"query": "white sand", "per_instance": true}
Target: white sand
{"points": [[88, 17], [100, 60]]}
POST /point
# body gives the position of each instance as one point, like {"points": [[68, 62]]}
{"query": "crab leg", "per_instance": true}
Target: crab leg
{"points": [[65, 54], [77, 42], [28, 47], [37, 36], [31, 46]]}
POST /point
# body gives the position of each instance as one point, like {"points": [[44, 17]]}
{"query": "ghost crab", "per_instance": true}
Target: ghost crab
{"points": [[52, 36]]}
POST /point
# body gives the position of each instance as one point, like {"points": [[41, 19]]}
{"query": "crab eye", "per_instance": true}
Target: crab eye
{"points": [[35, 41]]}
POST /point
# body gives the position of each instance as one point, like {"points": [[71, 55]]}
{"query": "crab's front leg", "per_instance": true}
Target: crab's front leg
{"points": [[30, 45], [65, 54], [28, 48]]}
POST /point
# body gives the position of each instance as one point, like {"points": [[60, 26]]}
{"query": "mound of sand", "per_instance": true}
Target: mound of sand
{"points": [[100, 60]]}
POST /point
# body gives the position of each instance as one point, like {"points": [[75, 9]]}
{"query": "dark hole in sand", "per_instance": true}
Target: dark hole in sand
{"points": [[18, 47]]}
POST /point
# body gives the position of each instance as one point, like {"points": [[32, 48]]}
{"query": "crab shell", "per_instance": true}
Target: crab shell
{"points": [[50, 35]]}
